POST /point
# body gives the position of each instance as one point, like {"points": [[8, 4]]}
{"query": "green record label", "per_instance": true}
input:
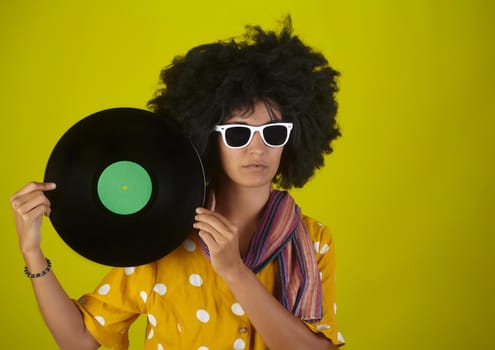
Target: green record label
{"points": [[124, 187]]}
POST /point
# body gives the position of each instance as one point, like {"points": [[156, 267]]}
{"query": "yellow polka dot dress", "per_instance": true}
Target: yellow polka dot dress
{"points": [[188, 306]]}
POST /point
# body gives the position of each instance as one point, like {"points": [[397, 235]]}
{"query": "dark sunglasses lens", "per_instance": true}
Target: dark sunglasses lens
{"points": [[275, 135], [237, 136]]}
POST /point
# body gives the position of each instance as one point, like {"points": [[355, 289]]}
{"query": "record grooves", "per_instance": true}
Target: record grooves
{"points": [[127, 186]]}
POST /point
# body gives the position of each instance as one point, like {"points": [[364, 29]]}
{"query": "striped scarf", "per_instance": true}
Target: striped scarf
{"points": [[282, 234]]}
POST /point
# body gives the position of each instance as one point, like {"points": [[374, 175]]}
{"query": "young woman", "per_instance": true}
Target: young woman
{"points": [[255, 273]]}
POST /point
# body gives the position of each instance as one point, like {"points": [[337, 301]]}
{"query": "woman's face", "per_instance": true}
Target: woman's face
{"points": [[256, 164]]}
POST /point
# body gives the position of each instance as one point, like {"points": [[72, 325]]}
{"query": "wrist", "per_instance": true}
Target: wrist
{"points": [[47, 269], [29, 249], [236, 273], [34, 259]]}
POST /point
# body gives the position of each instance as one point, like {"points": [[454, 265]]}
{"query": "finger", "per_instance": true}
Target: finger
{"points": [[217, 236], [217, 221], [214, 226], [30, 201], [34, 186], [223, 219], [33, 214], [209, 240]]}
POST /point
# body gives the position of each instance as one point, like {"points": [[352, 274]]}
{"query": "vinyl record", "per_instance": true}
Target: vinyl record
{"points": [[128, 183]]}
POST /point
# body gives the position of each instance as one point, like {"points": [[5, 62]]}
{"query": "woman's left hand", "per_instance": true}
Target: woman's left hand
{"points": [[222, 239]]}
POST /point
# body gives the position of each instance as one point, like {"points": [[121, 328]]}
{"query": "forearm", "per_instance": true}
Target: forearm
{"points": [[61, 315], [276, 325]]}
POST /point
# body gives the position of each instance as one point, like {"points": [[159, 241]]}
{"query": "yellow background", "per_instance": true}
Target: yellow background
{"points": [[409, 192]]}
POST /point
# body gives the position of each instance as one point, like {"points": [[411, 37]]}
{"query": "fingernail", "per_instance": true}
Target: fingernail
{"points": [[198, 210]]}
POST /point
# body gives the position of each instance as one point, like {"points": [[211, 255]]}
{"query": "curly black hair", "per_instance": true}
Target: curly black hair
{"points": [[209, 83]]}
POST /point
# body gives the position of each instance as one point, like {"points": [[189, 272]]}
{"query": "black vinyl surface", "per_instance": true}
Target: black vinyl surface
{"points": [[124, 134]]}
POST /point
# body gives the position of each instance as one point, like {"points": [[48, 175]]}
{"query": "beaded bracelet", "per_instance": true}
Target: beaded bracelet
{"points": [[40, 274]]}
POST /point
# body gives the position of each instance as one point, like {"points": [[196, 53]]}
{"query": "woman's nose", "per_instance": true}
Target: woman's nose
{"points": [[257, 142]]}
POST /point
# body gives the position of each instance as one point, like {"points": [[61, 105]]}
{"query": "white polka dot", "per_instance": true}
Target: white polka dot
{"points": [[100, 320], [152, 320], [143, 295], [189, 245], [321, 276], [203, 348], [324, 249], [151, 334], [129, 270], [160, 347], [195, 280], [237, 309], [203, 316], [340, 338], [179, 328], [335, 308], [160, 288], [104, 289], [322, 327], [239, 344], [317, 246]]}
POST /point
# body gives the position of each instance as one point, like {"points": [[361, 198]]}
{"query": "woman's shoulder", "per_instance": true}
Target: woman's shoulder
{"points": [[318, 231]]}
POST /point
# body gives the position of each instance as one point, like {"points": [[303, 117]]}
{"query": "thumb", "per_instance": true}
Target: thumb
{"points": [[48, 186]]}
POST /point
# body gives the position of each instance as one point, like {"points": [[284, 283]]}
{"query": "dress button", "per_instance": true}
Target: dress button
{"points": [[243, 329]]}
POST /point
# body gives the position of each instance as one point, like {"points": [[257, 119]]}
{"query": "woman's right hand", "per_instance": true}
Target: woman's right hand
{"points": [[60, 313], [29, 204]]}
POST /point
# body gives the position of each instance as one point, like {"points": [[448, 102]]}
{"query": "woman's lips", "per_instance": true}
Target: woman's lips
{"points": [[255, 166]]}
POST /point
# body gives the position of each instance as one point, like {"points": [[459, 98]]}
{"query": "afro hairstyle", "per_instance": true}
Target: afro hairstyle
{"points": [[205, 86]]}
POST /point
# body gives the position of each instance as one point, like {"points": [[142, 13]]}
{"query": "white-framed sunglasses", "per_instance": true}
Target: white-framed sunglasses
{"points": [[240, 135]]}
